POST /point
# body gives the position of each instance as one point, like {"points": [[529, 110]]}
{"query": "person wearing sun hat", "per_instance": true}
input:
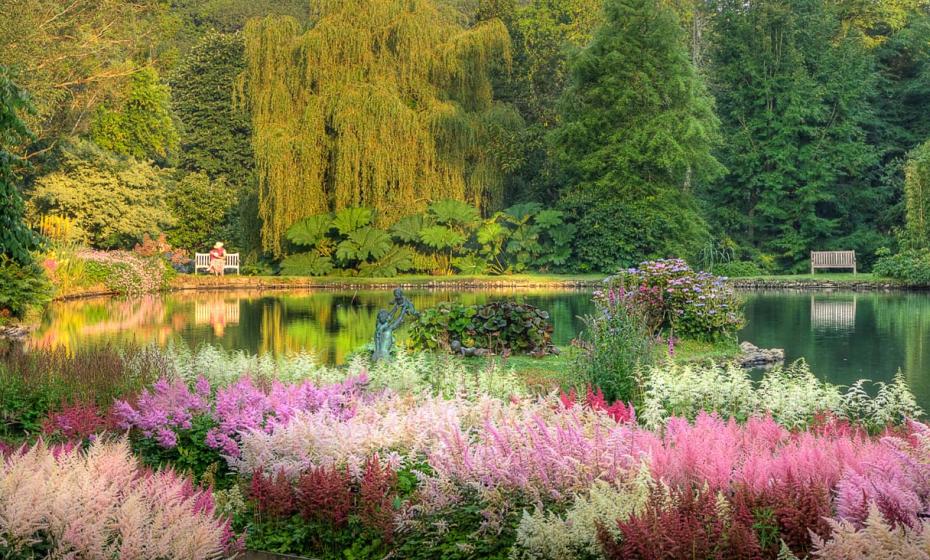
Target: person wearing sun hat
{"points": [[217, 259]]}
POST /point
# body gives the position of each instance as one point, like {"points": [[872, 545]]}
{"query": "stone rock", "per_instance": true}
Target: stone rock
{"points": [[753, 356], [14, 332]]}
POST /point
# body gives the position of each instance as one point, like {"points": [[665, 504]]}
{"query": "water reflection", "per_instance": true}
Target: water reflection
{"points": [[844, 336], [332, 324]]}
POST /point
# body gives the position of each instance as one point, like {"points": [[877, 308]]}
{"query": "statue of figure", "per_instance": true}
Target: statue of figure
{"points": [[403, 304], [388, 322]]}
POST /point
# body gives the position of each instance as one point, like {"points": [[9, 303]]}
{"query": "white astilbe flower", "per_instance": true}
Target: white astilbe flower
{"points": [[877, 540], [544, 535], [100, 504], [792, 395]]}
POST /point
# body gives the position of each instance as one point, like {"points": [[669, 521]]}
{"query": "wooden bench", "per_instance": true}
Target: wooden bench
{"points": [[202, 262], [833, 259]]}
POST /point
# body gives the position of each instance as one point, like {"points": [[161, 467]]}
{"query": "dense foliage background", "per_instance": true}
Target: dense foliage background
{"points": [[721, 132]]}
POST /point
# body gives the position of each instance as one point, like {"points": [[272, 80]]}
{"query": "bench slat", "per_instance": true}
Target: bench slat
{"points": [[202, 261], [833, 259]]}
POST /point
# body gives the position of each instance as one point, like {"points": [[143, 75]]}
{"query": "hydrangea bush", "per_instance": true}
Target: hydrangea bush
{"points": [[691, 304]]}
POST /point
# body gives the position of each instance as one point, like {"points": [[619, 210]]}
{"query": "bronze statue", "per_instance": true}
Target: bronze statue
{"points": [[388, 322]]}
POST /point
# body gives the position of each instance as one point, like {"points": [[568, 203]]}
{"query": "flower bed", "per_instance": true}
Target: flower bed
{"points": [[363, 462]]}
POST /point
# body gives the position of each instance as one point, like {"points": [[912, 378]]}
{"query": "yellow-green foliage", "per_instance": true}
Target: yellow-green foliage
{"points": [[381, 103], [113, 200]]}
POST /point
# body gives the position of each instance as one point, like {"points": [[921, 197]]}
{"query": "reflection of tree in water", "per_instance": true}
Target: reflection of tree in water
{"points": [[906, 318], [331, 324], [123, 320]]}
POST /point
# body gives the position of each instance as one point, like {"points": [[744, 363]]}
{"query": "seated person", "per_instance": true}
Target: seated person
{"points": [[217, 259]]}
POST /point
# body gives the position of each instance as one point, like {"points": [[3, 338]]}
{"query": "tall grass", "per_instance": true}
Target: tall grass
{"points": [[33, 383], [617, 342]]}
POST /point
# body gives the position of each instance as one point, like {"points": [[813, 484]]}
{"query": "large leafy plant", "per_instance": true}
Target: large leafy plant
{"points": [[346, 241], [495, 327]]}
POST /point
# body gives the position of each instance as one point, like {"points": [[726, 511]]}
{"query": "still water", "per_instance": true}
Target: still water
{"points": [[844, 336]]}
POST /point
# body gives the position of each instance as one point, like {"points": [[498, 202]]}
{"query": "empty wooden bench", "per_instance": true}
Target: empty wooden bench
{"points": [[202, 262], [833, 259]]}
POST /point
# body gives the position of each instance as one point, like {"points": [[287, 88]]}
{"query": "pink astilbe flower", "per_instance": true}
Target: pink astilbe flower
{"points": [[756, 454], [543, 458], [243, 407], [100, 504], [894, 478], [168, 406]]}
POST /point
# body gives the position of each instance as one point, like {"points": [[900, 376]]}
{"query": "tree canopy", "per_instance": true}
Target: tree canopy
{"points": [[637, 134], [380, 103]]}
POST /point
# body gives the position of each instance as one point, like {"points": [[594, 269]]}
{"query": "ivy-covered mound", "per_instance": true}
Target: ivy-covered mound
{"points": [[491, 328]]}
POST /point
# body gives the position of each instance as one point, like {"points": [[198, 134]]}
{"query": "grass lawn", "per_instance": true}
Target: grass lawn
{"points": [[840, 277], [537, 280], [553, 372]]}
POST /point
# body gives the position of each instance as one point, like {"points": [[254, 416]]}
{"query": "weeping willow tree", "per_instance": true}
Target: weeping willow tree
{"points": [[381, 103]]}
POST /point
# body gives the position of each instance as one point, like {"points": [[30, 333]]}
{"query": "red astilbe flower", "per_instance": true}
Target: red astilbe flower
{"points": [[77, 421], [325, 494], [799, 509], [376, 497], [594, 399], [273, 495], [685, 524], [619, 411]]}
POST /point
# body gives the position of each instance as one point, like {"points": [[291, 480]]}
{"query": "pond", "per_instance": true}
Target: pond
{"points": [[844, 336]]}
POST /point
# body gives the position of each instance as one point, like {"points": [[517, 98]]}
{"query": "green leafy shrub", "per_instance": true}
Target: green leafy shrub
{"points": [[141, 126], [22, 287], [449, 237], [345, 242], [688, 303], [493, 327], [737, 269], [134, 193], [199, 206], [912, 265]]}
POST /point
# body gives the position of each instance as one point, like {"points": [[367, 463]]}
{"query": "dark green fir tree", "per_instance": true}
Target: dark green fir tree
{"points": [[636, 138]]}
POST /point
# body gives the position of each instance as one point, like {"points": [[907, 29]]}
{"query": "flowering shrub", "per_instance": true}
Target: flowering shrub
{"points": [[77, 421], [692, 304], [125, 272], [100, 504], [159, 247], [544, 534], [595, 399], [243, 407], [876, 539], [168, 406], [353, 468]]}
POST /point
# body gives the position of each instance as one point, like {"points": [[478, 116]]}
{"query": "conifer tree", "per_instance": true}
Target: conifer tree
{"points": [[16, 239], [636, 137], [792, 89], [381, 103], [214, 134]]}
